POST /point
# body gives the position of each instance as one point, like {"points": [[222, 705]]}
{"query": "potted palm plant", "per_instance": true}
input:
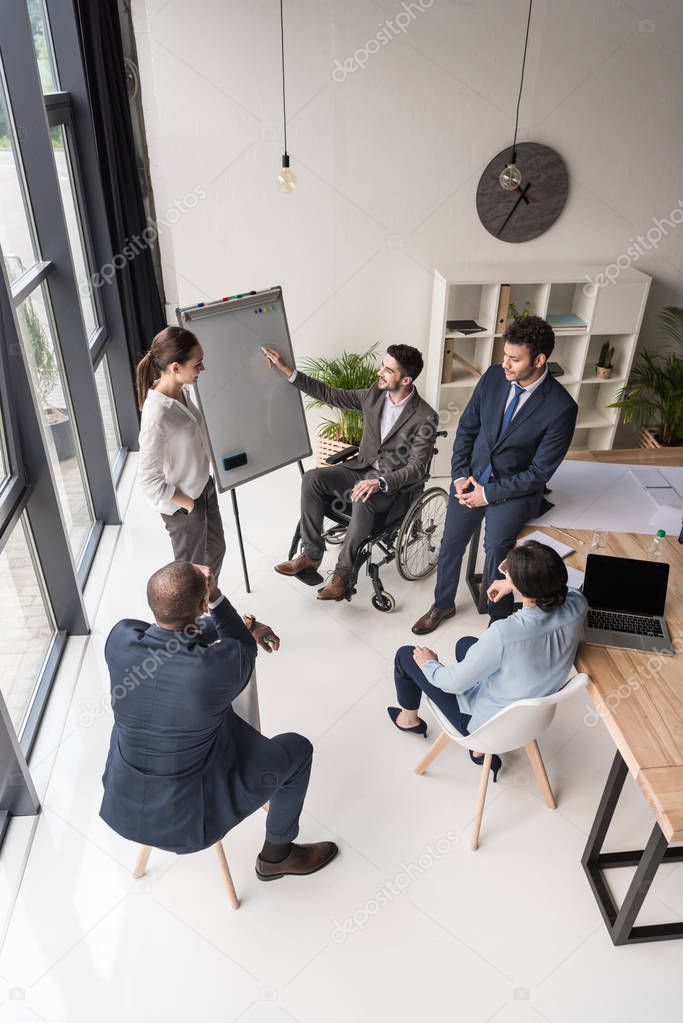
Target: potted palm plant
{"points": [[652, 398], [350, 371]]}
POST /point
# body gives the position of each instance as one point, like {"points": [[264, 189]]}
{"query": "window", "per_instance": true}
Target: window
{"points": [[64, 164], [16, 232], [42, 44], [4, 460], [26, 625], [55, 408], [108, 409]]}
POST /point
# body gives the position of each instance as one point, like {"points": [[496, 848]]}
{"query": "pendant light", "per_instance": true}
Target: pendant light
{"points": [[286, 179], [511, 176]]}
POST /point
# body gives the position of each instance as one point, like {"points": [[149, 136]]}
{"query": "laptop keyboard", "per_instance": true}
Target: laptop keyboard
{"points": [[639, 625]]}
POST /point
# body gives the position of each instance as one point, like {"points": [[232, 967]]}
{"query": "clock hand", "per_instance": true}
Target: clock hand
{"points": [[518, 189], [522, 195]]}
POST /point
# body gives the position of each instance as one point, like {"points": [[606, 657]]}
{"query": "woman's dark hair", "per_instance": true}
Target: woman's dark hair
{"points": [[538, 572], [172, 344], [533, 332], [409, 359]]}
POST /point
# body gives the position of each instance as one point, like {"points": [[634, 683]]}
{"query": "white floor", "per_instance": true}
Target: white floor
{"points": [[407, 920]]}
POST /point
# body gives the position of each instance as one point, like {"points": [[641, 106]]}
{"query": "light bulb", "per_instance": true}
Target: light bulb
{"points": [[510, 177], [286, 179]]}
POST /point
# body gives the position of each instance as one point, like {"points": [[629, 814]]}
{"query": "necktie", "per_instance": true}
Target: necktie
{"points": [[507, 419]]}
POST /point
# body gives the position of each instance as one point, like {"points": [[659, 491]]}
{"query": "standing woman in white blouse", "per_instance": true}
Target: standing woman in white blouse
{"points": [[173, 467]]}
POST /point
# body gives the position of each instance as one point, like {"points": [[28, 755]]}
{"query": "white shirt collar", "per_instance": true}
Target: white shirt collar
{"points": [[399, 404], [537, 383]]}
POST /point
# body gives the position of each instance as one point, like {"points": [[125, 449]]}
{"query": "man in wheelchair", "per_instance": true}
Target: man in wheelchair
{"points": [[399, 429]]}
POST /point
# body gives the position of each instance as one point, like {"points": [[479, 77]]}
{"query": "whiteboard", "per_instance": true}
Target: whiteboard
{"points": [[254, 417]]}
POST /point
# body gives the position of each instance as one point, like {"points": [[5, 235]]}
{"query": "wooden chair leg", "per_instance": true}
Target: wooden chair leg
{"points": [[483, 786], [433, 753], [536, 761], [141, 862], [227, 878]]}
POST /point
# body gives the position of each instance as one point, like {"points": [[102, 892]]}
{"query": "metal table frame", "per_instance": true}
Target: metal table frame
{"points": [[620, 921]]}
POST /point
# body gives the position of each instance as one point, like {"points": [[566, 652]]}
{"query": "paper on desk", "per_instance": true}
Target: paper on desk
{"points": [[562, 549], [575, 577], [668, 519], [648, 476]]}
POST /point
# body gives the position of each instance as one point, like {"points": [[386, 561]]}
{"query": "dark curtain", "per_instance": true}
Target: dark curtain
{"points": [[102, 48]]}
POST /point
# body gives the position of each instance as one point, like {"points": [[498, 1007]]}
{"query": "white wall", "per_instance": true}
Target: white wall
{"points": [[389, 158]]}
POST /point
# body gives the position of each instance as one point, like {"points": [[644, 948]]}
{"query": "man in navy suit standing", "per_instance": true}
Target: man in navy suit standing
{"points": [[183, 767], [512, 436]]}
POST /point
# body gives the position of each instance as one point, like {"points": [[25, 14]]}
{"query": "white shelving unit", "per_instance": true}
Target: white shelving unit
{"points": [[614, 313]]}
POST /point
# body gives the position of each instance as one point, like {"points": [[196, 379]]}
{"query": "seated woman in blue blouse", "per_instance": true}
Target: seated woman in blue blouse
{"points": [[527, 655]]}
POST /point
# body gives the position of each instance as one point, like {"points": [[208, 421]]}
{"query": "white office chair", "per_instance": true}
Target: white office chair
{"points": [[515, 726]]}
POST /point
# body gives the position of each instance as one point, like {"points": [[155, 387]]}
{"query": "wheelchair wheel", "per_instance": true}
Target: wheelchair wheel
{"points": [[383, 601], [419, 538]]}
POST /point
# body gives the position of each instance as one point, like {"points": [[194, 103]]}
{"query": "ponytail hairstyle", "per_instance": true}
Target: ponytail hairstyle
{"points": [[172, 344], [538, 572]]}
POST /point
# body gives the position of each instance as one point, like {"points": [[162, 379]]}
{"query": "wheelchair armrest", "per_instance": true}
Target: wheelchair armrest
{"points": [[343, 455]]}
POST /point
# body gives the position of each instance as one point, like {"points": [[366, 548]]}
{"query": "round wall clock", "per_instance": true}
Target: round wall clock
{"points": [[534, 205]]}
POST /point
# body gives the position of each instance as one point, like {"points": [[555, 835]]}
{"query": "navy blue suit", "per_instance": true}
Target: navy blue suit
{"points": [[523, 459], [183, 768]]}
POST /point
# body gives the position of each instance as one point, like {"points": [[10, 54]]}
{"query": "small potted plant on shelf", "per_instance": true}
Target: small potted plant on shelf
{"points": [[516, 315], [652, 398], [604, 367], [350, 371]]}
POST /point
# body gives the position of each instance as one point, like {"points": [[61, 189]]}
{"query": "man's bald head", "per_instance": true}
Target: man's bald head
{"points": [[175, 593]]}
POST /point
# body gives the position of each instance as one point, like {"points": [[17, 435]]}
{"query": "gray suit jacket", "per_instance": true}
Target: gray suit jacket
{"points": [[405, 452]]}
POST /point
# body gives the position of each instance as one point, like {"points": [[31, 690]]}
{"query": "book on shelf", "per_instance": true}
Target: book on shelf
{"points": [[566, 321], [555, 369], [464, 327]]}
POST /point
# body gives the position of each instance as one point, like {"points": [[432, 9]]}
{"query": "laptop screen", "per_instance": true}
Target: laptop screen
{"points": [[625, 584]]}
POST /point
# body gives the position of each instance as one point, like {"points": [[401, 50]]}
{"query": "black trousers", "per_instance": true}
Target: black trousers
{"points": [[334, 484], [502, 523], [199, 537], [411, 684], [287, 792]]}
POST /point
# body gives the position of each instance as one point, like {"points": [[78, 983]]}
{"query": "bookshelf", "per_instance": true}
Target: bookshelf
{"points": [[455, 360]]}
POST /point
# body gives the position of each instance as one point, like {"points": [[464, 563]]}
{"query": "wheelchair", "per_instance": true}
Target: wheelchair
{"points": [[408, 532]]}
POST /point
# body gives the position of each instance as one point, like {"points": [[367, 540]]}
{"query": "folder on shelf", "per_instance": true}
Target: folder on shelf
{"points": [[503, 309]]}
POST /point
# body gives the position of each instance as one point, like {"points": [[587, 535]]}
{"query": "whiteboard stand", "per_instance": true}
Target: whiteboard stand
{"points": [[236, 513]]}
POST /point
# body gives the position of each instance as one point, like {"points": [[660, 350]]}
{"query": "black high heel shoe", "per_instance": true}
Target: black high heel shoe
{"points": [[496, 763], [419, 729]]}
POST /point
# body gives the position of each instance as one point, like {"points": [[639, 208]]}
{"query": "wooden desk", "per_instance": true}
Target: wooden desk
{"points": [[639, 697], [630, 456]]}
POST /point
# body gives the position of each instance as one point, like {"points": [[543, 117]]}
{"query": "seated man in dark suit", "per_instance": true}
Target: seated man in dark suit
{"points": [[183, 767], [399, 429], [512, 435]]}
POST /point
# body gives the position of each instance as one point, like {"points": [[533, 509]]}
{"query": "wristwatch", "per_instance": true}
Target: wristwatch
{"points": [[253, 622], [383, 484]]}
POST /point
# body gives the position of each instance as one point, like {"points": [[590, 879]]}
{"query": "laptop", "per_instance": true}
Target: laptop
{"points": [[626, 600]]}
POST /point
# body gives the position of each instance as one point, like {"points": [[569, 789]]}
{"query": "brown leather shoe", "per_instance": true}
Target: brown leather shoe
{"points": [[302, 859], [335, 589], [302, 563], [434, 617]]}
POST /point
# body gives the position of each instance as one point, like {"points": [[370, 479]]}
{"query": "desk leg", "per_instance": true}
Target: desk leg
{"points": [[620, 921]]}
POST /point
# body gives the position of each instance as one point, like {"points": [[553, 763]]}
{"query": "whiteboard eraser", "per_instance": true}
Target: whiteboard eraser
{"points": [[234, 461]]}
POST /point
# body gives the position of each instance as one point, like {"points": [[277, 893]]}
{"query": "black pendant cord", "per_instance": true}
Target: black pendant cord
{"points": [[521, 83], [282, 49]]}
